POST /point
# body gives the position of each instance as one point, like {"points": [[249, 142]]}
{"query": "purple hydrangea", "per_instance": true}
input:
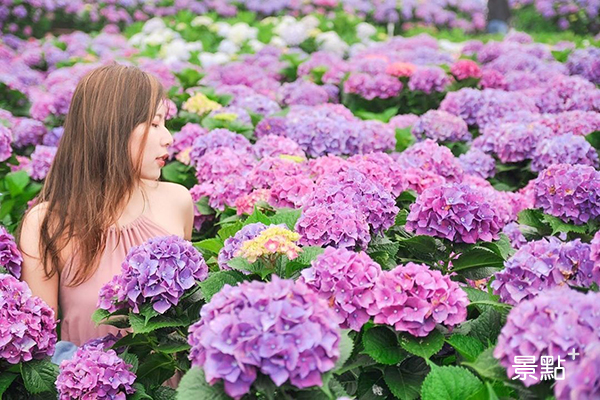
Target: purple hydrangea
{"points": [[27, 324], [430, 156], [215, 139], [567, 149], [27, 132], [184, 139], [257, 104], [280, 328], [374, 136], [302, 92], [576, 122], [568, 93], [543, 264], [570, 192], [478, 163], [157, 272], [241, 115], [270, 169], [383, 169], [584, 376], [233, 244], [319, 135], [515, 141], [514, 232], [464, 103], [403, 121], [492, 79], [381, 86], [457, 212], [222, 162], [5, 143], [273, 145], [429, 79], [271, 126], [291, 191], [10, 256], [595, 248], [337, 224], [41, 161], [554, 323], [224, 190], [95, 373], [104, 342], [441, 126], [413, 298], [346, 280], [52, 138], [585, 62]]}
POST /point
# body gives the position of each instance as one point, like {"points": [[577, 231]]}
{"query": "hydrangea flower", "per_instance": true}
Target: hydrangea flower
{"points": [[257, 104], [95, 373], [27, 324], [245, 203], [515, 234], [5, 143], [554, 323], [232, 245], [274, 239], [584, 376], [412, 298], [492, 79], [595, 248], [41, 161], [302, 92], [374, 136], [271, 126], [543, 264], [183, 140], [566, 149], [576, 122], [280, 328], [231, 113], [222, 162], [568, 93], [270, 169], [441, 127], [429, 156], [382, 168], [381, 86], [291, 191], [27, 132], [465, 69], [515, 141], [457, 212], [10, 256], [570, 192], [200, 104], [400, 69], [273, 145], [218, 138], [346, 280], [478, 163], [157, 272], [429, 79], [403, 121]]}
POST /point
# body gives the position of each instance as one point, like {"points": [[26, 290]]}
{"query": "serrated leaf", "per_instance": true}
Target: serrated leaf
{"points": [[164, 393], [216, 280], [193, 385], [487, 366], [534, 219], [372, 386], [213, 245], [287, 217], [476, 258], [308, 254], [404, 138], [449, 383], [468, 347], [99, 315], [140, 393], [405, 381], [173, 343], [39, 376], [6, 379], [559, 225], [130, 359], [257, 216], [139, 325], [229, 230], [382, 345], [502, 308], [16, 182], [346, 347], [486, 327], [423, 346], [155, 369]]}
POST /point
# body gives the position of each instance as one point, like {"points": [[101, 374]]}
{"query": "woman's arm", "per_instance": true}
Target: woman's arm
{"points": [[188, 211], [32, 270]]}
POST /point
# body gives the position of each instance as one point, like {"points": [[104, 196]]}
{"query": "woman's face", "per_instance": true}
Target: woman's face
{"points": [[155, 152]]}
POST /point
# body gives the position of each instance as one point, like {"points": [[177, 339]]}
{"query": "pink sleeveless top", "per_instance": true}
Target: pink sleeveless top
{"points": [[79, 303]]}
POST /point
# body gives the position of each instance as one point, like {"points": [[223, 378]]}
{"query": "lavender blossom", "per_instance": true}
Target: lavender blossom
{"points": [[441, 127], [10, 256]]}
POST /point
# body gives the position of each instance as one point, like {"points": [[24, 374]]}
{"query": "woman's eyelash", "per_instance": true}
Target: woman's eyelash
{"points": [[155, 125]]}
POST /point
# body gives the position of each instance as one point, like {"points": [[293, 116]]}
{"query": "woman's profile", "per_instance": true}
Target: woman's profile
{"points": [[101, 196]]}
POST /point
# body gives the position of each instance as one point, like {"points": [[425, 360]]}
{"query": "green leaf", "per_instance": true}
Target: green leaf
{"points": [[193, 385], [559, 225], [213, 245], [468, 347], [346, 347], [371, 386], [534, 219], [422, 247], [130, 359], [164, 393], [140, 393], [230, 230], [477, 263], [382, 345], [156, 369], [203, 206], [404, 138], [257, 216], [502, 247], [308, 254], [216, 280], [503, 308], [405, 381], [6, 379], [100, 315], [16, 182], [423, 346], [241, 264], [39, 376], [594, 139], [449, 383], [286, 216], [173, 343], [486, 327], [139, 325], [487, 366]]}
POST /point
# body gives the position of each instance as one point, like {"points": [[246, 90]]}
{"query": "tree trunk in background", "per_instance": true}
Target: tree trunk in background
{"points": [[498, 10]]}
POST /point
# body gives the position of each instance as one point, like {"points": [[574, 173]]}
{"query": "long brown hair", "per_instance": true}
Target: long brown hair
{"points": [[93, 176]]}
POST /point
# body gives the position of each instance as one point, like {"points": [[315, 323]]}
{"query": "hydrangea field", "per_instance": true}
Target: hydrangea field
{"points": [[378, 215]]}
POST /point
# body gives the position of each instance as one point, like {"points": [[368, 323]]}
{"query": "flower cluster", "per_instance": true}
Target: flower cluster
{"points": [[403, 121], [232, 245], [27, 132], [412, 298], [570, 192], [232, 113], [465, 69], [200, 104], [584, 376], [41, 161], [291, 191], [245, 203], [28, 327], [429, 79], [478, 163], [566, 149], [429, 156], [543, 264], [346, 280], [95, 373], [595, 248], [5, 143], [585, 62], [157, 272], [280, 328], [272, 145], [554, 323], [514, 141], [215, 139], [457, 212], [302, 92], [381, 86], [10, 256], [275, 239], [514, 232], [441, 127]]}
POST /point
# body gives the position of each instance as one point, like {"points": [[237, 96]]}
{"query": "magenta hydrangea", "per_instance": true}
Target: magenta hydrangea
{"points": [[270, 169], [465, 69], [566, 149], [441, 126], [302, 92], [576, 122], [492, 79], [595, 248], [413, 298], [568, 93], [279, 328], [271, 126], [216, 139], [41, 161], [291, 191], [5, 143], [346, 280], [369, 87], [543, 264], [583, 380], [570, 192], [478, 163], [430, 156], [374, 136], [515, 141], [184, 139], [554, 323], [403, 121], [27, 324], [514, 232], [241, 115], [222, 162], [273, 145], [429, 80], [27, 132], [95, 373], [234, 243], [382, 168], [10, 256], [158, 272], [457, 212]]}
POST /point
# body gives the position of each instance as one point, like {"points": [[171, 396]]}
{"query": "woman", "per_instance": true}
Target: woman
{"points": [[101, 196]]}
